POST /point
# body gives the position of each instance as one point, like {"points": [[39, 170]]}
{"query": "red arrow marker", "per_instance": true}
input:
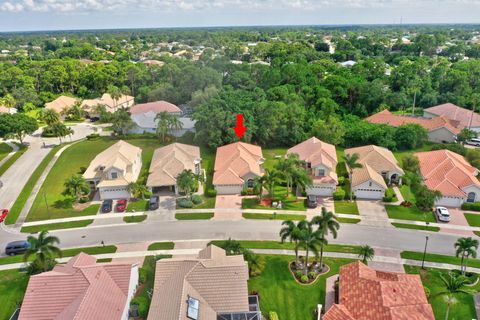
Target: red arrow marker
{"points": [[240, 129]]}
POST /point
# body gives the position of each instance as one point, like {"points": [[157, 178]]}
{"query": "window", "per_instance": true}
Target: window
{"points": [[309, 165], [192, 311], [370, 184], [114, 175], [471, 197], [321, 172], [250, 183]]}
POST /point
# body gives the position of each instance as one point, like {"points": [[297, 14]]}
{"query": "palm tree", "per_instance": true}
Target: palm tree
{"points": [[327, 223], [351, 161], [186, 182], [292, 231], [232, 247], [301, 178], [454, 283], [116, 94], [259, 185], [121, 121], [49, 116], [466, 247], [43, 248], [77, 187], [60, 130], [163, 123], [271, 178], [310, 240], [175, 124], [8, 101], [138, 190], [366, 253], [288, 166]]}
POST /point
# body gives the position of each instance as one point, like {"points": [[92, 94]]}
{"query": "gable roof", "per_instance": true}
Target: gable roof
{"points": [[234, 161], [156, 106], [366, 173], [107, 101], [380, 159], [367, 294], [169, 161], [447, 172], [453, 112], [61, 103], [80, 289], [430, 124], [217, 281]]}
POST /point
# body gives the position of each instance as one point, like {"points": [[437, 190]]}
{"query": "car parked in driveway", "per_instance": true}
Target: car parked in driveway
{"points": [[121, 205], [473, 142], [107, 206], [154, 203], [17, 247], [442, 214], [312, 201], [3, 214]]}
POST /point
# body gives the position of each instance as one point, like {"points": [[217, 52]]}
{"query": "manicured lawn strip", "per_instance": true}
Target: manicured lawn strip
{"points": [[28, 188], [161, 246], [259, 244], [270, 159], [414, 226], [407, 194], [412, 213], [464, 308], [134, 219], [208, 203], [279, 292], [440, 258], [348, 220], [269, 216], [346, 207], [12, 159], [473, 219], [137, 206], [13, 284], [56, 226], [104, 260], [194, 216], [5, 149]]}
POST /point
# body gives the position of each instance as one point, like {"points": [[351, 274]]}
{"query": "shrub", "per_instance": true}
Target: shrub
{"points": [[473, 206], [142, 275], [211, 193], [427, 292], [196, 199], [93, 136], [143, 305], [390, 196], [407, 204], [184, 203], [47, 132], [298, 274], [304, 279], [339, 194], [312, 275], [341, 181], [272, 315]]}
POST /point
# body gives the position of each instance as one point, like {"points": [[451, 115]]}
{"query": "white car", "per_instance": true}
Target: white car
{"points": [[442, 214], [474, 142]]}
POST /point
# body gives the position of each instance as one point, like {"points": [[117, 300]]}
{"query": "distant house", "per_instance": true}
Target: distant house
{"points": [[211, 287], [367, 294], [113, 169], [149, 62], [168, 162], [61, 104], [440, 129], [236, 167], [321, 161], [81, 290], [4, 109], [348, 64], [452, 175], [465, 117], [111, 105], [379, 164]]}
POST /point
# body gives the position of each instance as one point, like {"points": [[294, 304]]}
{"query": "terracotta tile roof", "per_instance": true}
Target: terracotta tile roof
{"points": [[107, 101], [447, 172], [217, 281], [380, 159], [169, 161], [234, 161], [366, 173], [157, 107], [367, 294], [78, 290], [430, 124], [453, 112], [61, 103]]}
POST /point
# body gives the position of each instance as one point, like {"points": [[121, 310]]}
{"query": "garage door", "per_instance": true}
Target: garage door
{"points": [[449, 202], [114, 193], [369, 193], [228, 189], [320, 190]]}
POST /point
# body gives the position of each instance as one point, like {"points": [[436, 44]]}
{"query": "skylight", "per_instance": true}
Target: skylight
{"points": [[193, 305]]}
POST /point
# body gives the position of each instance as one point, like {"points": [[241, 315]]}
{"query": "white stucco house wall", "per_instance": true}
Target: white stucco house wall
{"points": [[368, 184]]}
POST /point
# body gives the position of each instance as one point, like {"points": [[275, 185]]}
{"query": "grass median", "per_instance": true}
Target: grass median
{"points": [[194, 216], [440, 258], [270, 216], [56, 226], [161, 246], [134, 219], [7, 164], [414, 226]]}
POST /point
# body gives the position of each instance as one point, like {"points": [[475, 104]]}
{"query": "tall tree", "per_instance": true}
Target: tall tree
{"points": [[366, 253], [17, 126], [77, 187], [271, 178], [186, 182], [44, 249], [310, 240], [292, 232], [327, 223], [8, 101], [121, 122], [116, 94], [138, 190], [49, 116], [465, 248], [288, 166], [351, 161]]}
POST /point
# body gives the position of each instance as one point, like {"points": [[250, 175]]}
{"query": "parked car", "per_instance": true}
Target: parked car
{"points": [[17, 247], [442, 214], [107, 206], [121, 205], [312, 201], [473, 142], [3, 214], [154, 203]]}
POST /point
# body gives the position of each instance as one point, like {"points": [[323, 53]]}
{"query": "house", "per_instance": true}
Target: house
{"points": [[4, 109], [465, 117], [348, 64], [61, 104], [144, 117], [113, 169], [452, 175], [379, 168], [111, 105], [81, 289], [212, 286], [367, 294], [168, 162], [440, 129], [236, 167], [321, 161], [150, 62]]}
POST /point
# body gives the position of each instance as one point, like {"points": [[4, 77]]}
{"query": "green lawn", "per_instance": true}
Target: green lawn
{"points": [[412, 213], [5, 149], [269, 155], [414, 226], [28, 188], [412, 255], [135, 219], [341, 168], [473, 219], [345, 207], [400, 154], [12, 289], [161, 246], [208, 203], [407, 194], [279, 292], [137, 206], [463, 309], [288, 203], [269, 216], [7, 164], [348, 220], [59, 225], [194, 216]]}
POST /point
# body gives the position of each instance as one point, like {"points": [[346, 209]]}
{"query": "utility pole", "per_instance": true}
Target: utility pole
{"points": [[424, 252]]}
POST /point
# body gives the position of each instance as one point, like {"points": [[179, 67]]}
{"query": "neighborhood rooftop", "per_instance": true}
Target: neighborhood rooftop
{"points": [[156, 107], [465, 117]]}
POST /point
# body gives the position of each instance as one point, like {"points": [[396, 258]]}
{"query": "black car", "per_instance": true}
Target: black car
{"points": [[312, 202], [107, 206], [17, 247], [154, 202]]}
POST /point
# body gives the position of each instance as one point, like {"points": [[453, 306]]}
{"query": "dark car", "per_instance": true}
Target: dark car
{"points": [[3, 214], [17, 247], [312, 202], [121, 205], [107, 206], [154, 203]]}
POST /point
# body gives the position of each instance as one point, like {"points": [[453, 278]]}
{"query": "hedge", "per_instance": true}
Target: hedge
{"points": [[472, 206]]}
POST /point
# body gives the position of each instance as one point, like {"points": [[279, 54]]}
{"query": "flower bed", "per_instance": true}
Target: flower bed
{"points": [[313, 274]]}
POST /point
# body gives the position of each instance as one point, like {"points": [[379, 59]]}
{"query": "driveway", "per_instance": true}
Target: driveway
{"points": [[229, 207], [458, 218], [373, 213], [326, 202]]}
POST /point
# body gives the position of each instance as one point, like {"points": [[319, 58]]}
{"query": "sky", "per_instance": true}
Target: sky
{"points": [[27, 15]]}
